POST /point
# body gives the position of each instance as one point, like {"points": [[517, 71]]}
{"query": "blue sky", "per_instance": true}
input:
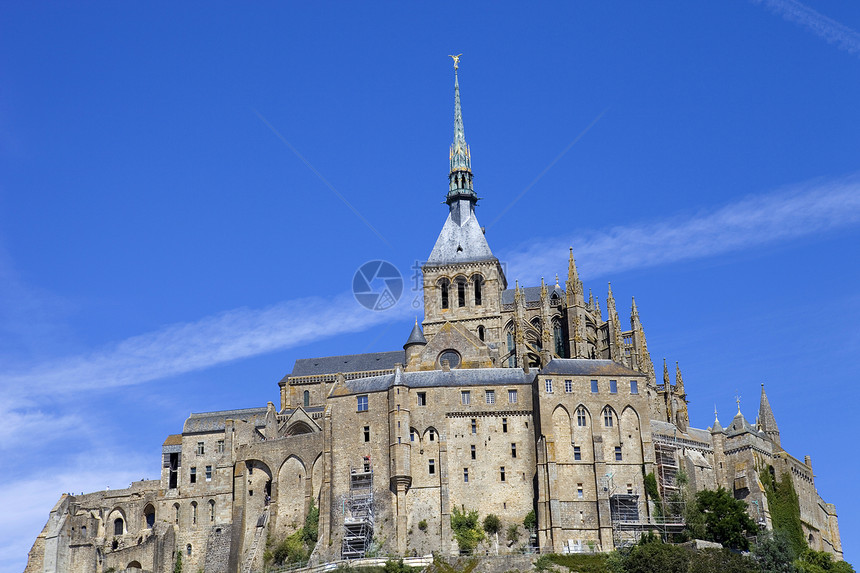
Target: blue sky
{"points": [[174, 227]]}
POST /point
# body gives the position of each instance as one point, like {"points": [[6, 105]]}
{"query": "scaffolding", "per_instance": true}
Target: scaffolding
{"points": [[358, 513]]}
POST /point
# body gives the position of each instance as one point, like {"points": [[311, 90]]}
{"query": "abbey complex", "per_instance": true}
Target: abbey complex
{"points": [[504, 400]]}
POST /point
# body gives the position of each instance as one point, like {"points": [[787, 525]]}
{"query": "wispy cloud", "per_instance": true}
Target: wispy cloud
{"points": [[242, 333], [188, 347], [756, 221], [832, 31]]}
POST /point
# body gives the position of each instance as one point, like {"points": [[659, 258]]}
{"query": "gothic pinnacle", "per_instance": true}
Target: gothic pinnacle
{"points": [[666, 375], [679, 380]]}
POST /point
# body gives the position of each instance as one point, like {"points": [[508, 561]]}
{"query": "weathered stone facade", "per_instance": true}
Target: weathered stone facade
{"points": [[503, 400]]}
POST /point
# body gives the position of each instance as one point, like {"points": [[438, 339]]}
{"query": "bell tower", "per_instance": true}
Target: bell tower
{"points": [[463, 281]]}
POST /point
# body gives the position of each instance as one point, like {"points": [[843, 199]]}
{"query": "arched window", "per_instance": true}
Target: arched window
{"points": [[211, 510], [149, 514], [607, 417], [443, 287], [188, 550], [306, 398], [117, 526], [512, 360], [481, 331], [193, 513], [461, 293], [581, 417], [478, 298], [176, 513], [559, 339]]}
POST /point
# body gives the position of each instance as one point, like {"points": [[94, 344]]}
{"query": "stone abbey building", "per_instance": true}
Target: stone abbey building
{"points": [[505, 400]]}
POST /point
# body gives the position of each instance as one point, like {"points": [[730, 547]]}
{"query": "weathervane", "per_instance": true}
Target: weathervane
{"points": [[738, 400], [456, 60]]}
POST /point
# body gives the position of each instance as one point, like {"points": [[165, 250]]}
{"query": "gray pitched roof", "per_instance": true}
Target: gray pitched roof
{"points": [[216, 421], [739, 426], [460, 243], [348, 363], [440, 378], [588, 367], [531, 294]]}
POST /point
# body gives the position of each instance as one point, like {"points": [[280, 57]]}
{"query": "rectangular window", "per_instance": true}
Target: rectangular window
{"points": [[367, 433], [474, 426], [549, 385], [208, 473], [505, 425], [502, 473], [473, 452], [466, 475], [465, 397], [200, 448], [220, 446], [490, 396], [613, 386], [193, 477], [577, 453], [432, 436], [422, 398], [594, 386], [431, 466], [579, 492], [512, 396], [617, 453], [513, 450], [362, 403], [568, 386], [634, 387], [412, 435]]}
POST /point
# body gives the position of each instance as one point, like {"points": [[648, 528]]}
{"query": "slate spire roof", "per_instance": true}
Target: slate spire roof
{"points": [[766, 419], [416, 336]]}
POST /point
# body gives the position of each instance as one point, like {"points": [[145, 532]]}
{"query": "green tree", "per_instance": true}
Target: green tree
{"points": [[821, 562], [530, 521], [177, 567], [513, 533], [467, 529], [492, 524], [724, 519], [774, 553]]}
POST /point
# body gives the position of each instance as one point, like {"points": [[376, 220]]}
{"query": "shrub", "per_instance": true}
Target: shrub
{"points": [[513, 533], [422, 525], [656, 556]]}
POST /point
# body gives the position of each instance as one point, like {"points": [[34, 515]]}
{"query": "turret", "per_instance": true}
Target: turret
{"points": [[414, 346]]}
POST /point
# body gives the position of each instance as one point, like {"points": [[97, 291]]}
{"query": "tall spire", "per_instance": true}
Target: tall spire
{"points": [[462, 238], [460, 176]]}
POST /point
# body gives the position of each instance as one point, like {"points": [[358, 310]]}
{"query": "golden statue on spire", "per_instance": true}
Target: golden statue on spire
{"points": [[456, 60]]}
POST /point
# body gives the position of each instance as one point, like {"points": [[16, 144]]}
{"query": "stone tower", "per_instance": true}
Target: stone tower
{"points": [[463, 281]]}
